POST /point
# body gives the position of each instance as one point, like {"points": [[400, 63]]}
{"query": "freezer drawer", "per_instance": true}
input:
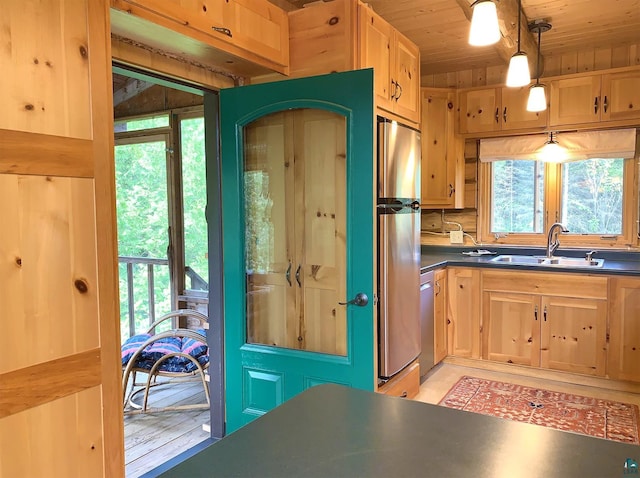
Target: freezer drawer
{"points": [[399, 282]]}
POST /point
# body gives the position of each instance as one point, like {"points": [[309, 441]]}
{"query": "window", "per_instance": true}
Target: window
{"points": [[593, 198]]}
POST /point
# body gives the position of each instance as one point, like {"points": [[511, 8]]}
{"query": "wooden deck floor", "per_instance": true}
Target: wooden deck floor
{"points": [[153, 438]]}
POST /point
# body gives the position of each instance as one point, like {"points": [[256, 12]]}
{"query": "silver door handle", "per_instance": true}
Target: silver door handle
{"points": [[298, 275], [288, 274], [360, 300]]}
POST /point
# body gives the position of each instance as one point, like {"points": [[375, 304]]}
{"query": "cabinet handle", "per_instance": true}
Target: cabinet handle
{"points": [[605, 104], [504, 114], [288, 274], [394, 88], [298, 275], [535, 312], [595, 106], [497, 115], [438, 286], [451, 190], [404, 394], [545, 313], [398, 87], [224, 31]]}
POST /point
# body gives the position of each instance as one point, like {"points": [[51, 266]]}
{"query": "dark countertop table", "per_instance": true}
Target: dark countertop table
{"points": [[334, 431], [615, 263]]}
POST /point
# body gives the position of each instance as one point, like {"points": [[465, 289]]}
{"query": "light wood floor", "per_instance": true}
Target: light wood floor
{"points": [[154, 438], [444, 376]]}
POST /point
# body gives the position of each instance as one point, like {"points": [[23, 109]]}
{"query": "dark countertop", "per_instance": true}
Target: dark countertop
{"points": [[334, 431], [615, 263]]}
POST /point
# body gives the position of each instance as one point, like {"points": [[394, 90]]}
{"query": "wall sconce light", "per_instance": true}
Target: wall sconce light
{"points": [[537, 99], [518, 74], [484, 24]]}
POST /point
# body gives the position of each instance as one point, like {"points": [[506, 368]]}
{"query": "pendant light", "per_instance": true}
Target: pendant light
{"points": [[484, 24], [552, 152], [518, 74], [537, 99]]}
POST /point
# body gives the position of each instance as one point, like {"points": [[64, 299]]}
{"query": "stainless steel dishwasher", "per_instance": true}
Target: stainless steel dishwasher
{"points": [[426, 322]]}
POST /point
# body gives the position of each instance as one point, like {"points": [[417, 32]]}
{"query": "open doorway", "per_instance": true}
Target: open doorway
{"points": [[163, 247]]}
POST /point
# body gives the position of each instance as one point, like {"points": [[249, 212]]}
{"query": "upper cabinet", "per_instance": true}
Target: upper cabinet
{"points": [[247, 31], [342, 35], [396, 63], [595, 98], [443, 166], [498, 109]]}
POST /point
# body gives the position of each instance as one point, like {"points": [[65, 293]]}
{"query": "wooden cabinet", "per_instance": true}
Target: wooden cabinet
{"points": [[404, 385], [463, 312], [498, 109], [442, 184], [595, 98], [623, 360], [559, 326], [440, 315], [255, 30], [346, 34], [396, 62]]}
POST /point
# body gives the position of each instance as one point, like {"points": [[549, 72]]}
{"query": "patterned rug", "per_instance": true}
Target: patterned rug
{"points": [[562, 411]]}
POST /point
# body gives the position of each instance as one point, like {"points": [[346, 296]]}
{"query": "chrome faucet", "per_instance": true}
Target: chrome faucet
{"points": [[552, 239]]}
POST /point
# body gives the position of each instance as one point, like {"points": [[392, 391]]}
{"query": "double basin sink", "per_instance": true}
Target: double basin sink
{"points": [[567, 262]]}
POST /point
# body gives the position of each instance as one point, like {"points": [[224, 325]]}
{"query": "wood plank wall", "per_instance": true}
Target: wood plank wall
{"points": [[593, 59]]}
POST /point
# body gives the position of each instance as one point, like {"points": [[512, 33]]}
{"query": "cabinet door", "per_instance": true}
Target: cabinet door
{"points": [[262, 28], [511, 328], [624, 345], [514, 114], [442, 171], [405, 74], [621, 96], [440, 315], [463, 314], [480, 110], [376, 36], [573, 335], [575, 100]]}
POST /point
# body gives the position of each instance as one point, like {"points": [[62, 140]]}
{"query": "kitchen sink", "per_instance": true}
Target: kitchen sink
{"points": [[568, 262]]}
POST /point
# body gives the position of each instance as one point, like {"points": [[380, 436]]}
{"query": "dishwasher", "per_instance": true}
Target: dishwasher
{"points": [[426, 323]]}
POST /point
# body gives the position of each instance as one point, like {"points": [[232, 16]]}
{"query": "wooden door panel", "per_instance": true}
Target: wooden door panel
{"points": [[575, 100], [479, 110], [375, 52], [623, 360], [58, 257], [622, 94], [514, 114], [463, 314], [440, 315], [573, 335], [406, 73], [511, 331]]}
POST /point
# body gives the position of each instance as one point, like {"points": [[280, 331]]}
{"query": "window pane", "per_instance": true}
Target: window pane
{"points": [[194, 193], [592, 196], [138, 124], [517, 196]]}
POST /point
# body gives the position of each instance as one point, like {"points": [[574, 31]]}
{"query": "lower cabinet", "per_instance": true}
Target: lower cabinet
{"points": [[623, 360], [405, 385], [440, 315], [463, 312], [560, 327]]}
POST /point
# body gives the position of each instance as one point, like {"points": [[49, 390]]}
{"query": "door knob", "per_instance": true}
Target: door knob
{"points": [[360, 300]]}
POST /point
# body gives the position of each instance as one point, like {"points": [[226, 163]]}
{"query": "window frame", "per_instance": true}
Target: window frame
{"points": [[552, 211]]}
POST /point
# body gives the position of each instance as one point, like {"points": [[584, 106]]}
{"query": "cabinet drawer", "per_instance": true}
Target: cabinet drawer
{"points": [[406, 385], [546, 283]]}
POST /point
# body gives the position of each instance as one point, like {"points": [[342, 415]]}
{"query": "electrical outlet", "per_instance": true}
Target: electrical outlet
{"points": [[456, 237]]}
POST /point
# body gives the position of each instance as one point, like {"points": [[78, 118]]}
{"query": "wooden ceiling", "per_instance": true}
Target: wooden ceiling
{"points": [[440, 28]]}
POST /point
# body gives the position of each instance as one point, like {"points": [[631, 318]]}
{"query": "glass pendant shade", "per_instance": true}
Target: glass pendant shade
{"points": [[518, 74], [537, 100], [484, 24]]}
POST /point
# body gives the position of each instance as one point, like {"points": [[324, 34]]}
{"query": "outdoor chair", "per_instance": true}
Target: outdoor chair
{"points": [[177, 355]]}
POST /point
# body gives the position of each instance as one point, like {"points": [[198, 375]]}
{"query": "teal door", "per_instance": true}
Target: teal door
{"points": [[298, 239]]}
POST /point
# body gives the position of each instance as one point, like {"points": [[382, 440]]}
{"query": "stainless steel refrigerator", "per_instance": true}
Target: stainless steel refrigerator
{"points": [[398, 246]]}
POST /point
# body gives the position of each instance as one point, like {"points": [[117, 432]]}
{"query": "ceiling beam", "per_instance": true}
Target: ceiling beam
{"points": [[131, 88], [508, 43]]}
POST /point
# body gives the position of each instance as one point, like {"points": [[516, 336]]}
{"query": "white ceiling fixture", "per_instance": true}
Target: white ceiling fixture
{"points": [[537, 99], [484, 24], [518, 74]]}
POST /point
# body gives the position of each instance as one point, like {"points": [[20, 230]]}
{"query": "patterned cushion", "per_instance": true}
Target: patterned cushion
{"points": [[161, 348]]}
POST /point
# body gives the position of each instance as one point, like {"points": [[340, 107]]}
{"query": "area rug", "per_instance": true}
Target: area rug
{"points": [[562, 411]]}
